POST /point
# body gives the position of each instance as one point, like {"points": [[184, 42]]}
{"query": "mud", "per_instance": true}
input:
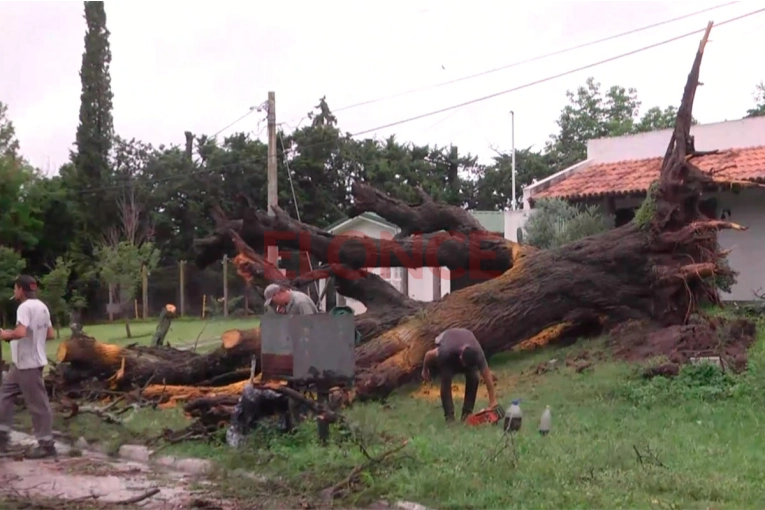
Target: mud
{"points": [[727, 338], [94, 481]]}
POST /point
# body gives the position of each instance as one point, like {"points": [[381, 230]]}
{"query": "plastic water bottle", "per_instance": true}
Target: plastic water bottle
{"points": [[545, 422], [513, 417]]}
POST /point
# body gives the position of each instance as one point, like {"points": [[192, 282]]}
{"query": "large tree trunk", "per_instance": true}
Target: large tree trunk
{"points": [[657, 268], [82, 358]]}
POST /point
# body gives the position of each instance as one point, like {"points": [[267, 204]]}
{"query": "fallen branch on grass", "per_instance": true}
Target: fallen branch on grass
{"points": [[648, 457], [332, 492], [137, 499]]}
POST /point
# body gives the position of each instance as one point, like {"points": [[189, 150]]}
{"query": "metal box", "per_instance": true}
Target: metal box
{"points": [[308, 348]]}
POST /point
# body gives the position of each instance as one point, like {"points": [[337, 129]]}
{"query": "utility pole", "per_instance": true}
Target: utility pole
{"points": [[273, 196], [512, 148]]}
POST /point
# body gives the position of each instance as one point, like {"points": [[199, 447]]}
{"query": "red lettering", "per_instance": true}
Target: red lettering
{"points": [[273, 238], [477, 255], [431, 251], [347, 246], [304, 243], [392, 248]]}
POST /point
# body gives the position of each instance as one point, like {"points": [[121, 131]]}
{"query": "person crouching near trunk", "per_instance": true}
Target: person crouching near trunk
{"points": [[459, 352], [33, 329]]}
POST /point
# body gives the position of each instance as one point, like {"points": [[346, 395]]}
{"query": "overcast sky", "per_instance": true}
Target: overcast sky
{"points": [[200, 65]]}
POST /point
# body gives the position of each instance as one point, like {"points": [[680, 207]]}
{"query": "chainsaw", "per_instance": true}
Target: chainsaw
{"points": [[490, 415]]}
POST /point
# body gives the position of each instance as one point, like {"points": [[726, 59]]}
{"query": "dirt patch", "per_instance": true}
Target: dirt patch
{"points": [[88, 482], [727, 338]]}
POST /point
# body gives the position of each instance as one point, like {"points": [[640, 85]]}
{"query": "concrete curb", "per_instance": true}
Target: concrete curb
{"points": [[144, 455], [186, 465]]}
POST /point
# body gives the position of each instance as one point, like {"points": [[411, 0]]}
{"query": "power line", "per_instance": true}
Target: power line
{"points": [[250, 111], [550, 78], [533, 59], [436, 112]]}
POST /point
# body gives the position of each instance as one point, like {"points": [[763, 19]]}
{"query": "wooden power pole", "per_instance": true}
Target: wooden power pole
{"points": [[273, 196]]}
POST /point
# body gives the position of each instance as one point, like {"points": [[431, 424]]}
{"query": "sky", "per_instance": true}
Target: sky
{"points": [[199, 66]]}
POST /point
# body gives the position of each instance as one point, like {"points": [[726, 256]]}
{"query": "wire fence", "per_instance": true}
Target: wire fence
{"points": [[214, 292]]}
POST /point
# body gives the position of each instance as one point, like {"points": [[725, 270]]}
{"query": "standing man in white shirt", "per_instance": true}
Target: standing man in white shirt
{"points": [[33, 329]]}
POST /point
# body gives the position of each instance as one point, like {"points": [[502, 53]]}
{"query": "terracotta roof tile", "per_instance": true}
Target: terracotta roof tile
{"points": [[627, 177]]}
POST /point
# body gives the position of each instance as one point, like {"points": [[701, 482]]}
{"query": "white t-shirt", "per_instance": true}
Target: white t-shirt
{"points": [[29, 352]]}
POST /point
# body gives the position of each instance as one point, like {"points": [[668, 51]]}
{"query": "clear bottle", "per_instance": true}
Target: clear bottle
{"points": [[545, 421], [513, 417]]}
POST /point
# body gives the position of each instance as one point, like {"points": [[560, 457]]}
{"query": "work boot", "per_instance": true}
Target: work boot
{"points": [[43, 450], [5, 442]]}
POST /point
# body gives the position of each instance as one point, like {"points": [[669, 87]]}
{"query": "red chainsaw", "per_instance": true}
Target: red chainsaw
{"points": [[490, 415]]}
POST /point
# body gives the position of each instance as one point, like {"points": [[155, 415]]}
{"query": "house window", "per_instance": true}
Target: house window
{"points": [[385, 273]]}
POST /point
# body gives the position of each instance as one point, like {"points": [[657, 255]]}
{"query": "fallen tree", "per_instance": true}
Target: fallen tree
{"points": [[657, 268], [82, 358]]}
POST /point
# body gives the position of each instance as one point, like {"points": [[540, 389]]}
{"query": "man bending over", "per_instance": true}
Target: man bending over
{"points": [[458, 352]]}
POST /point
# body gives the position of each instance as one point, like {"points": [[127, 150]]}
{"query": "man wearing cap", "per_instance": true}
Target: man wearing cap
{"points": [[33, 329], [288, 301], [459, 352]]}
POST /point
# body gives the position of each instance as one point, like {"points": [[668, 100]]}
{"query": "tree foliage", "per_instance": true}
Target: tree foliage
{"points": [[11, 265], [54, 287], [556, 222], [91, 171], [759, 99], [592, 114]]}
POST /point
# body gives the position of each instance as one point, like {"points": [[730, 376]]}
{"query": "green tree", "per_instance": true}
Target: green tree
{"points": [[120, 266], [125, 252], [19, 226], [655, 118], [9, 145], [11, 265], [759, 98], [593, 114], [95, 131], [493, 186], [54, 289], [556, 222]]}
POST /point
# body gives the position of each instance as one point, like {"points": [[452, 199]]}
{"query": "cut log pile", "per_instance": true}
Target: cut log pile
{"points": [[655, 270]]}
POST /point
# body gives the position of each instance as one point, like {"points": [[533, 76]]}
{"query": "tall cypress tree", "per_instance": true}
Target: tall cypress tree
{"points": [[96, 129]]}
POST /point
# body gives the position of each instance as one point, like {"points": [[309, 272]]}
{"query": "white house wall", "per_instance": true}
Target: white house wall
{"points": [[362, 227], [748, 248], [733, 134]]}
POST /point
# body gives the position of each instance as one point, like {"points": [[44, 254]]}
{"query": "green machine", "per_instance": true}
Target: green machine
{"points": [[346, 310]]}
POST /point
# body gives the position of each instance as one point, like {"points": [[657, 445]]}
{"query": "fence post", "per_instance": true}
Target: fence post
{"points": [[110, 308], [225, 285], [145, 286], [183, 288]]}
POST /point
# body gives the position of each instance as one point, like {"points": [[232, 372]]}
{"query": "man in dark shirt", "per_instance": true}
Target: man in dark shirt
{"points": [[458, 352]]}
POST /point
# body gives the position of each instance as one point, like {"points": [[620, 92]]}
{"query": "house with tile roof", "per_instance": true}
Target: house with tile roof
{"points": [[423, 284], [618, 171]]}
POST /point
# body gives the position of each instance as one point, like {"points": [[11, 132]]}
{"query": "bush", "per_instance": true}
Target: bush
{"points": [[702, 382], [557, 222]]}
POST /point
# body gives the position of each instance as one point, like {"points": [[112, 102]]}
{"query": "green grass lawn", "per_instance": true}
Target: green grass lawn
{"points": [[182, 332], [617, 441]]}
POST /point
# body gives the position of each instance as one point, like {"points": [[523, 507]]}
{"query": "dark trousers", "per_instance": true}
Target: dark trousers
{"points": [[471, 391], [28, 383]]}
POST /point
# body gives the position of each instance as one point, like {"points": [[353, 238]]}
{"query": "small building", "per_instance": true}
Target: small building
{"points": [[618, 171], [422, 284]]}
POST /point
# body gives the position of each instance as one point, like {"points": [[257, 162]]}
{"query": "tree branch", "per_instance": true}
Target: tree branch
{"points": [[425, 218]]}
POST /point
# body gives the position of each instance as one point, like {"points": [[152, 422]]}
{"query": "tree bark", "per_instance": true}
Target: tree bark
{"points": [[166, 317], [125, 368]]}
